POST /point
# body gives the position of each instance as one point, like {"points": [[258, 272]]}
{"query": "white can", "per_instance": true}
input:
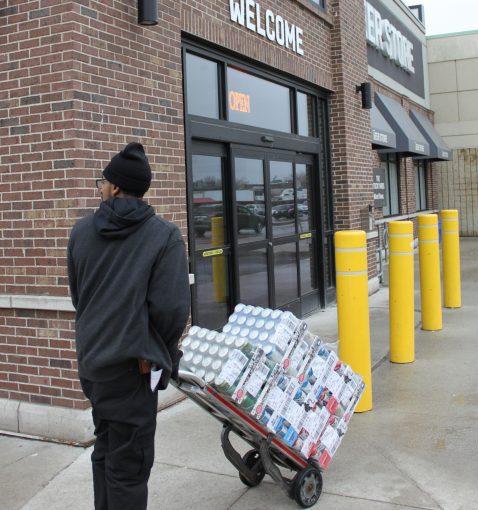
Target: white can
{"points": [[223, 353], [244, 332], [260, 323], [229, 341], [206, 362], [235, 331], [209, 377], [195, 344], [187, 357], [203, 348], [202, 333], [216, 366], [256, 312], [239, 307], [213, 349], [193, 330], [276, 314], [220, 337], [185, 344], [254, 335]]}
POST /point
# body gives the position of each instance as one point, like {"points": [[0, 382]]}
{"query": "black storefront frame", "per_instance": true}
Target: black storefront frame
{"points": [[221, 131], [268, 156]]}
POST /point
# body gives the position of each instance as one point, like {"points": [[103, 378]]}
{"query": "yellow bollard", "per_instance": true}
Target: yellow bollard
{"points": [[401, 292], [451, 258], [352, 307], [218, 276], [429, 258]]}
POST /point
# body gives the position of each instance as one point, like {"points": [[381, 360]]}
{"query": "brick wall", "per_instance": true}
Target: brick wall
{"points": [[37, 360], [78, 80], [210, 20], [350, 124]]}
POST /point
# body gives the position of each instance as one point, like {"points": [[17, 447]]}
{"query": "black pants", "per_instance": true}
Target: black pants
{"points": [[124, 414]]}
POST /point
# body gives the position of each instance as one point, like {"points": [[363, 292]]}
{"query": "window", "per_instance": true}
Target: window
{"points": [[257, 102], [421, 184], [392, 195], [305, 117], [220, 89], [202, 86], [319, 3]]}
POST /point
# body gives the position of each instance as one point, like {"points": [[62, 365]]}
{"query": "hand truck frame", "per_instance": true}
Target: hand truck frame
{"points": [[268, 452]]}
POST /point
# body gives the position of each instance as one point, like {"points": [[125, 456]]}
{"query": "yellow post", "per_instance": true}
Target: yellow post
{"points": [[429, 258], [218, 276], [352, 307], [401, 292], [451, 258]]}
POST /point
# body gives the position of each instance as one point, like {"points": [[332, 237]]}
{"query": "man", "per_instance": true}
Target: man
{"points": [[129, 284]]}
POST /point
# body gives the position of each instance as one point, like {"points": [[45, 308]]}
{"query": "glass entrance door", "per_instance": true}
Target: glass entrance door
{"points": [[275, 233], [253, 231]]}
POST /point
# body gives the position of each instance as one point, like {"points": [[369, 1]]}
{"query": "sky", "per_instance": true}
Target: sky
{"points": [[448, 16]]}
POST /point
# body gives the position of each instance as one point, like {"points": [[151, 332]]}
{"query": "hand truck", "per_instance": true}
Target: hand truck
{"points": [[268, 452]]}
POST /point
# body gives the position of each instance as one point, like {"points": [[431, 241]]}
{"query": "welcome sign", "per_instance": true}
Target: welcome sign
{"points": [[268, 24]]}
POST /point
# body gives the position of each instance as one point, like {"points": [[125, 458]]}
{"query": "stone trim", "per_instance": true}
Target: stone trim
{"points": [[31, 302], [62, 424]]}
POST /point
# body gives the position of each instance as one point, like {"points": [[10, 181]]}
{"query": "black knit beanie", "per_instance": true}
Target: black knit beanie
{"points": [[130, 170]]}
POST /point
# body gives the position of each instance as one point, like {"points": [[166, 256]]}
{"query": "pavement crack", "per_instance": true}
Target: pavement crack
{"points": [[399, 505], [408, 477]]}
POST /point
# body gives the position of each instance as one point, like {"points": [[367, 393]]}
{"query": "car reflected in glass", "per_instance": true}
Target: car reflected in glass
{"points": [[247, 218]]}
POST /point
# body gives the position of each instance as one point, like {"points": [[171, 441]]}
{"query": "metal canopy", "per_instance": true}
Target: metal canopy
{"points": [[382, 134], [439, 151], [410, 141]]}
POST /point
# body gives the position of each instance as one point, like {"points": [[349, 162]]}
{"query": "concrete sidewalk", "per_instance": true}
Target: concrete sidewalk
{"points": [[417, 448]]}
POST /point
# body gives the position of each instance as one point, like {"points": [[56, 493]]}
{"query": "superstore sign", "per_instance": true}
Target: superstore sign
{"points": [[267, 24], [385, 37]]}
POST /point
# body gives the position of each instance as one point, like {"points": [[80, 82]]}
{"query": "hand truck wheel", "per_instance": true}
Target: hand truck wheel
{"points": [[252, 459], [307, 487]]}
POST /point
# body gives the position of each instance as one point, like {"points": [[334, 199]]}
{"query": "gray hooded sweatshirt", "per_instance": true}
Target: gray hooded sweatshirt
{"points": [[129, 283]]}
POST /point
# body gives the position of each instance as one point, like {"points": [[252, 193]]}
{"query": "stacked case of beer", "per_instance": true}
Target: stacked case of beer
{"points": [[270, 365]]}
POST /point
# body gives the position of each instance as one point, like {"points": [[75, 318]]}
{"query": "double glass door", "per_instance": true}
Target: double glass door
{"points": [[254, 231]]}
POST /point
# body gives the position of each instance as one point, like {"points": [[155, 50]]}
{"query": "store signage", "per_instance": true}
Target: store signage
{"points": [[394, 46], [378, 136], [239, 102], [379, 187], [249, 14], [381, 34], [308, 235]]}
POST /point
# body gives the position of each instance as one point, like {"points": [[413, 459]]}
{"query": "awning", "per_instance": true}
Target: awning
{"points": [[382, 133], [438, 148], [410, 141]]}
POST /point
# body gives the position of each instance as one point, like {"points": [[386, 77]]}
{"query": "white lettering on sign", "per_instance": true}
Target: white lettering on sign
{"points": [[383, 36], [445, 154], [380, 137], [419, 147], [273, 26]]}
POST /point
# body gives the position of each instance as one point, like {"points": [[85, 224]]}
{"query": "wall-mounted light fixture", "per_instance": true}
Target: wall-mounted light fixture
{"points": [[148, 12], [366, 90]]}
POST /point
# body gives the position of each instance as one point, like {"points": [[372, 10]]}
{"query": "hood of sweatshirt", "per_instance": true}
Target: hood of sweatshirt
{"points": [[118, 218]]}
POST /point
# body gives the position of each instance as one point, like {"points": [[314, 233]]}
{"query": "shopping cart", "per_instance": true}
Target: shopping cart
{"points": [[268, 451]]}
